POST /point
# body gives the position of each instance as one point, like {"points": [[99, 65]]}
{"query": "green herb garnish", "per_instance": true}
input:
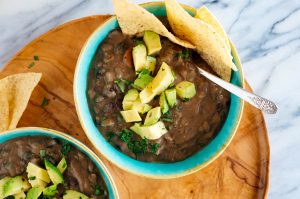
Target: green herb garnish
{"points": [[167, 119], [121, 83], [42, 153], [110, 136], [186, 99], [45, 102], [31, 178], [137, 146], [126, 135], [36, 58], [185, 54], [31, 65], [98, 190], [154, 147], [65, 148], [137, 42]]}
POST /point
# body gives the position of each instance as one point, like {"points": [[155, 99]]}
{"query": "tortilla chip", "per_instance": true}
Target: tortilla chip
{"points": [[134, 19], [15, 91], [208, 43], [208, 17]]}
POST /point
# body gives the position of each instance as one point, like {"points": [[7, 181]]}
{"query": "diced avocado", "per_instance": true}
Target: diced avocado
{"points": [[34, 192], [152, 41], [171, 97], [38, 172], [143, 79], [62, 165], [131, 116], [152, 132], [140, 107], [2, 183], [71, 194], [146, 95], [50, 191], [131, 95], [152, 116], [186, 90], [15, 185], [129, 98], [163, 103], [163, 79], [139, 55], [53, 172], [36, 182], [20, 195], [151, 62]]}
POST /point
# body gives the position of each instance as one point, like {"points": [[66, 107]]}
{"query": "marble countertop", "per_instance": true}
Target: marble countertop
{"points": [[266, 34]]}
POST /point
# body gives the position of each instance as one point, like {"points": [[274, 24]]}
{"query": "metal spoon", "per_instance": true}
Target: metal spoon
{"points": [[259, 102]]}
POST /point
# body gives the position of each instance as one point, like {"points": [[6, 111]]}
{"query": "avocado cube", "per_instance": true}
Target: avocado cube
{"points": [[131, 116], [163, 79], [20, 195], [163, 103], [53, 172], [38, 172], [143, 79], [152, 41], [36, 181], [129, 98], [15, 185], [2, 183], [171, 97], [151, 63], [153, 131], [153, 116], [34, 192], [50, 191], [62, 165], [139, 55], [140, 107], [146, 95], [71, 194], [186, 90]]}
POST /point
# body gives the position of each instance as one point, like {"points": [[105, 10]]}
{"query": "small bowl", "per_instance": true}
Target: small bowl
{"points": [[34, 131], [153, 170]]}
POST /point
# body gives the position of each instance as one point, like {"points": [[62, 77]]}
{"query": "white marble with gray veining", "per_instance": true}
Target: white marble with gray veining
{"points": [[266, 34]]}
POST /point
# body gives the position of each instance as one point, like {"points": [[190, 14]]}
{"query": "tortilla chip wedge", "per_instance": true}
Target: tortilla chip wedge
{"points": [[209, 44], [15, 91], [134, 19]]}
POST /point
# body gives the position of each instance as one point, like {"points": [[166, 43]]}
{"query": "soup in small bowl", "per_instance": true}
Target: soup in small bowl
{"points": [[43, 163]]}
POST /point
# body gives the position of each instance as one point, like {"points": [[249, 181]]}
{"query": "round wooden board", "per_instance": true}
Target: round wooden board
{"points": [[242, 171]]}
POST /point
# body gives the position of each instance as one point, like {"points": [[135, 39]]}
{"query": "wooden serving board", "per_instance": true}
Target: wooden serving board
{"points": [[242, 171]]}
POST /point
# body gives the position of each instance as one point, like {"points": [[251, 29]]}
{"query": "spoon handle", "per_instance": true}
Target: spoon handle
{"points": [[257, 101]]}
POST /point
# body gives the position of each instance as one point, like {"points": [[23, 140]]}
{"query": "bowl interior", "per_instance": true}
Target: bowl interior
{"points": [[154, 170], [21, 132]]}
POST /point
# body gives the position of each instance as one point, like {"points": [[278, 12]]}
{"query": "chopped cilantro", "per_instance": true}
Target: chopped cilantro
{"points": [[137, 146], [126, 135], [167, 119], [185, 54], [36, 58], [45, 102], [31, 65], [186, 99], [65, 148], [98, 190], [154, 147], [110, 136], [121, 83], [31, 178], [42, 153], [137, 42]]}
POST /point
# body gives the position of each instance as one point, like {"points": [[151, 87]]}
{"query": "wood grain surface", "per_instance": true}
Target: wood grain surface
{"points": [[242, 171]]}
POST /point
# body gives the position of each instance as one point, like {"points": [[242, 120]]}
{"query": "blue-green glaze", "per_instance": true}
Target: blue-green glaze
{"points": [[33, 131], [153, 170]]}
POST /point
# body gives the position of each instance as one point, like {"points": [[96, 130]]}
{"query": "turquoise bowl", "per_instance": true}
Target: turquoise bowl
{"points": [[34, 131], [153, 170]]}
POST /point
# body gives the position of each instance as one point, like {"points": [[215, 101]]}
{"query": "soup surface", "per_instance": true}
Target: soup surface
{"points": [[81, 174], [191, 124]]}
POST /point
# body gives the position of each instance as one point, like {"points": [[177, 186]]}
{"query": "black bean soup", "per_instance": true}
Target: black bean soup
{"points": [[81, 174], [191, 125]]}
